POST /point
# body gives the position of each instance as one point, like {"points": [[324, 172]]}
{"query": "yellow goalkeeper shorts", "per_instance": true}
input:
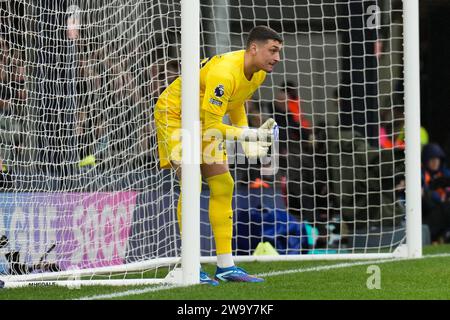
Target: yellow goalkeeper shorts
{"points": [[168, 130]]}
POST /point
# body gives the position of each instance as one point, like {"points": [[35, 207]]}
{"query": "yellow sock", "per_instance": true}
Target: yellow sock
{"points": [[220, 211]]}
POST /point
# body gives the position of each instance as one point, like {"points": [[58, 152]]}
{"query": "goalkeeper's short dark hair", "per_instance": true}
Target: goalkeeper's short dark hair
{"points": [[262, 33]]}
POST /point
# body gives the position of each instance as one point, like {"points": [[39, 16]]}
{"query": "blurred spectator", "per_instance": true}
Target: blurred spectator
{"points": [[424, 138], [289, 95], [13, 97], [3, 60], [364, 181], [288, 115], [254, 114], [436, 193], [88, 107], [171, 72], [296, 160], [393, 123], [392, 130], [152, 87]]}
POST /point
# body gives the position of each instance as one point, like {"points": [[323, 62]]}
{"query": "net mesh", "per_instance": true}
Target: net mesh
{"points": [[81, 187]]}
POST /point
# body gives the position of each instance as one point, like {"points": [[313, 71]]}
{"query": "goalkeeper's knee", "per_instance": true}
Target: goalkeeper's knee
{"points": [[221, 186]]}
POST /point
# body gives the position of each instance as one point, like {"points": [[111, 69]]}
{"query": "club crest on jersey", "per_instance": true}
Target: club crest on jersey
{"points": [[219, 91]]}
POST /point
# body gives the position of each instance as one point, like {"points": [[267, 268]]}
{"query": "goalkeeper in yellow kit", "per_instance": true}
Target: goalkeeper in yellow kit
{"points": [[226, 82]]}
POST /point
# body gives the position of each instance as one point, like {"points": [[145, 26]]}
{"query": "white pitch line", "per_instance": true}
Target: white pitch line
{"points": [[268, 274], [325, 268], [129, 292]]}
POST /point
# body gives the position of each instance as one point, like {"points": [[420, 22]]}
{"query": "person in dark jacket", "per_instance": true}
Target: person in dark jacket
{"points": [[436, 193]]}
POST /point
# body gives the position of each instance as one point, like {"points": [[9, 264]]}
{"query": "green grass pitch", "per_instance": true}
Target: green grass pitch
{"points": [[427, 278]]}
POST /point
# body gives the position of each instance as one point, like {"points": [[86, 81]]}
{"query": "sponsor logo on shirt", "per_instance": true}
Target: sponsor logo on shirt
{"points": [[215, 102]]}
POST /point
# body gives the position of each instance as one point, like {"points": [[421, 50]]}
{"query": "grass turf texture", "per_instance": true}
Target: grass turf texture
{"points": [[427, 278]]}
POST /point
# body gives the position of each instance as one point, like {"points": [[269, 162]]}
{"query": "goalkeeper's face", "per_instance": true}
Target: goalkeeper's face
{"points": [[267, 55]]}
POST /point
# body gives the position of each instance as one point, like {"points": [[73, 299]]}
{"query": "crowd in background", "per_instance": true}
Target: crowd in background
{"points": [[111, 125], [316, 165], [88, 104], [13, 97]]}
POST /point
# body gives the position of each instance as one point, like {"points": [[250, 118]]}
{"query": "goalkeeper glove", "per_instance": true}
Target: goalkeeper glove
{"points": [[256, 142], [255, 149], [265, 133]]}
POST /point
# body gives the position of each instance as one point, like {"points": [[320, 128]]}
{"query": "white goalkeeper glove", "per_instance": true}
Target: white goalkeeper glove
{"points": [[265, 133], [255, 149], [256, 142]]}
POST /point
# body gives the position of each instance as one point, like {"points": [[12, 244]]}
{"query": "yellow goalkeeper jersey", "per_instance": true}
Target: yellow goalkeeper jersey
{"points": [[223, 89]]}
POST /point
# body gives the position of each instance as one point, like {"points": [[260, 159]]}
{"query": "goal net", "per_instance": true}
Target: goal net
{"points": [[82, 195]]}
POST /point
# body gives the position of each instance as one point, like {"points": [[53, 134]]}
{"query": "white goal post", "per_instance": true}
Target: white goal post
{"points": [[83, 200], [412, 129]]}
